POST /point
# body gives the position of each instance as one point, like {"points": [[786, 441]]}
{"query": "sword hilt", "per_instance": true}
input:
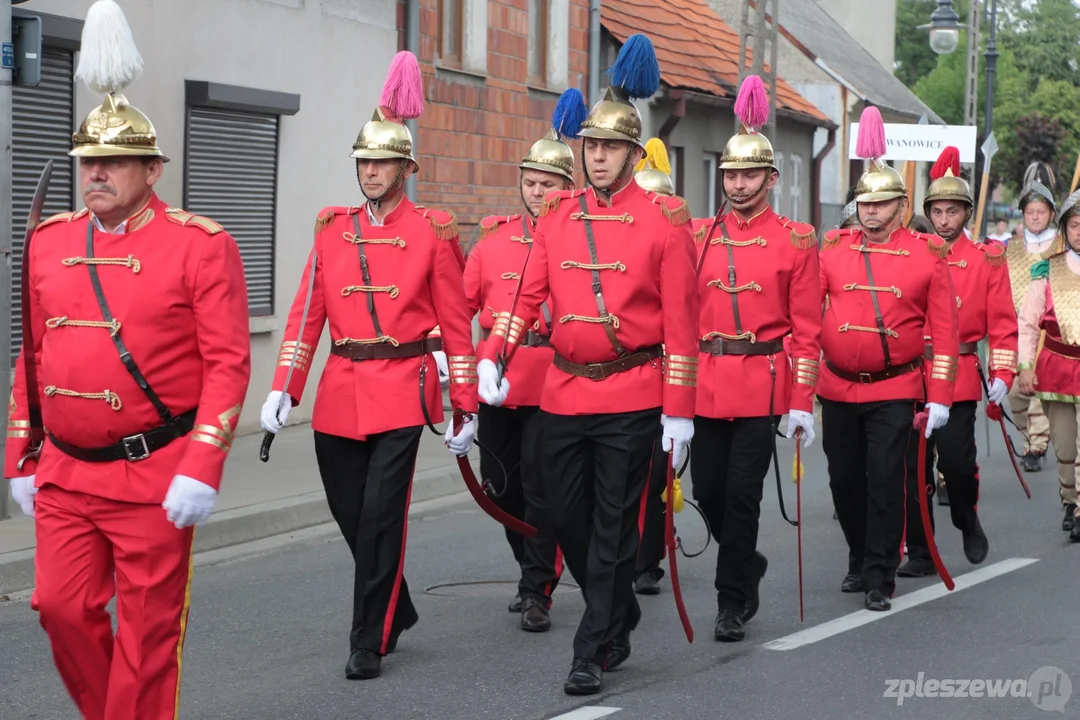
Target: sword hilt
{"points": [[264, 450]]}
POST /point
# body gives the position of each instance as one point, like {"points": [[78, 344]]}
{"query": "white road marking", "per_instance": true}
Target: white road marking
{"points": [[904, 602], [588, 713]]}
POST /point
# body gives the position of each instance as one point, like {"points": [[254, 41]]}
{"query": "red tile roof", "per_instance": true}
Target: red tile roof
{"points": [[697, 50]]}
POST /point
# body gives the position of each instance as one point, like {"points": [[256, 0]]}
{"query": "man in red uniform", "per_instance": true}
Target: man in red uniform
{"points": [[984, 305], [509, 433], [758, 282], [386, 274], [885, 284], [137, 361], [618, 263]]}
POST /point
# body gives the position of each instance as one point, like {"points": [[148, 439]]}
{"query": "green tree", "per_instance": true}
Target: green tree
{"points": [[1055, 101], [1045, 38], [914, 58]]}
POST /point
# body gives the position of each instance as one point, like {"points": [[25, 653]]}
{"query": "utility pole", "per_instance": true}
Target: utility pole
{"points": [[971, 92], [6, 77], [761, 39]]}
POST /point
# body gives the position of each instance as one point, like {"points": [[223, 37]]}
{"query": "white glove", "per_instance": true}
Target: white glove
{"points": [[997, 391], [188, 501], [801, 419], [938, 416], [271, 420], [492, 388], [444, 367], [678, 432], [23, 490], [461, 443]]}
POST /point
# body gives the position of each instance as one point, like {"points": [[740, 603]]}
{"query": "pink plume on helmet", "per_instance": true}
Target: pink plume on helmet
{"points": [[403, 92], [870, 144], [752, 104]]}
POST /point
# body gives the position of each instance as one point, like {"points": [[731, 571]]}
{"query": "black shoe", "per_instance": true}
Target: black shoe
{"points": [[618, 652], [1031, 463], [942, 493], [729, 626], [1067, 523], [877, 602], [584, 679], [515, 604], [852, 583], [1074, 534], [363, 665], [976, 544], [647, 584], [534, 616], [753, 598], [917, 567]]}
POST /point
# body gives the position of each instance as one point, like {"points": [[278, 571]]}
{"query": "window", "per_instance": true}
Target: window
{"points": [[795, 188], [710, 183], [231, 168], [778, 190], [675, 158], [538, 41], [451, 31]]}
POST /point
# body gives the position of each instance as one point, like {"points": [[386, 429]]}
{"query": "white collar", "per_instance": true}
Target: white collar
{"points": [[118, 230], [1045, 236], [371, 216]]}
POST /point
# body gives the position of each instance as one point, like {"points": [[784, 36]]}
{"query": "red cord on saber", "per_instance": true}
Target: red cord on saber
{"points": [[993, 411], [669, 536], [924, 509], [798, 514]]}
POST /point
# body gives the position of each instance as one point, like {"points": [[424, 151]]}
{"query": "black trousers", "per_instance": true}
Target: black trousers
{"points": [[867, 446], [511, 436], [729, 460], [595, 469], [956, 460], [368, 483], [651, 523]]}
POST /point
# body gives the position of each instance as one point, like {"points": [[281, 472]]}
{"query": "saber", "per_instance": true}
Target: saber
{"points": [[268, 437], [798, 514], [29, 354], [673, 566], [920, 422], [994, 411]]}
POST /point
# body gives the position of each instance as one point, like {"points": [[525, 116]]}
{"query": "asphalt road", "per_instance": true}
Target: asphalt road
{"points": [[268, 635]]}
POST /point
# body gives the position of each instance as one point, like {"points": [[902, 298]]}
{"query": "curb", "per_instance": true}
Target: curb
{"points": [[249, 523]]}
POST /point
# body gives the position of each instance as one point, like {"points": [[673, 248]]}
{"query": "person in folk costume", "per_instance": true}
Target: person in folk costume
{"points": [[980, 280], [759, 282], [618, 263], [137, 360], [1040, 240], [1051, 306], [653, 174], [387, 274], [873, 384], [509, 432]]}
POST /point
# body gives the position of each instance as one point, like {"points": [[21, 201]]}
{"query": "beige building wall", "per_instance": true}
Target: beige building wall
{"points": [[871, 22], [333, 53]]}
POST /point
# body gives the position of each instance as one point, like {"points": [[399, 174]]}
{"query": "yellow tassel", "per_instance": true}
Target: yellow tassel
{"points": [[678, 215], [486, 228], [803, 242], [680, 501], [699, 234], [322, 221], [550, 204], [656, 155], [797, 470], [447, 230], [832, 240]]}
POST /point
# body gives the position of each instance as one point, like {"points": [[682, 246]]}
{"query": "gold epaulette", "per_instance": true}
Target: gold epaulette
{"points": [[324, 219], [803, 236], [443, 222], [553, 198], [61, 217], [699, 234], [995, 254], [490, 224], [832, 238], [183, 217], [675, 209], [937, 246]]}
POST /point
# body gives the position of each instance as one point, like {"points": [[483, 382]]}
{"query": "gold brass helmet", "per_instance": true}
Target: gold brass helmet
{"points": [[879, 183], [948, 187], [116, 128], [655, 181], [653, 172], [550, 154], [746, 150], [614, 118], [382, 138]]}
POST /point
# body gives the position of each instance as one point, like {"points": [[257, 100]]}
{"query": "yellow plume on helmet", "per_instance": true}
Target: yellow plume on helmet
{"points": [[656, 157]]}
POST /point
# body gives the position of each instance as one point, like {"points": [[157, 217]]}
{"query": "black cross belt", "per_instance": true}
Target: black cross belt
{"points": [[134, 447]]}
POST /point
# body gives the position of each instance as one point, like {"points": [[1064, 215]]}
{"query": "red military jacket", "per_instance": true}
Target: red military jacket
{"points": [[415, 269], [980, 278], [645, 259], [911, 280], [174, 283], [491, 277], [777, 291]]}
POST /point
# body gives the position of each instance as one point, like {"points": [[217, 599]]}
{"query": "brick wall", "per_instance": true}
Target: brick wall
{"points": [[475, 130]]}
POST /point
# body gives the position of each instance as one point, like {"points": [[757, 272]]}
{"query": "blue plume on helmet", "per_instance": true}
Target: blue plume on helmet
{"points": [[569, 113], [636, 70]]}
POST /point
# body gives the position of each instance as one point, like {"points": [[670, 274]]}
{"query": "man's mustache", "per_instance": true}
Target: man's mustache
{"points": [[99, 187]]}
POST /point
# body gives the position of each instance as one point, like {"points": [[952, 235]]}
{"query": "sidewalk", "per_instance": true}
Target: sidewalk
{"points": [[257, 499]]}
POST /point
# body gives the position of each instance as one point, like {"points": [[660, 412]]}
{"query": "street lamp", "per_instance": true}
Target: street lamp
{"points": [[944, 28]]}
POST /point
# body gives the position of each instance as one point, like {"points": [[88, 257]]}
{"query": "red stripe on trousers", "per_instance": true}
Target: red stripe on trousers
{"points": [[391, 608]]}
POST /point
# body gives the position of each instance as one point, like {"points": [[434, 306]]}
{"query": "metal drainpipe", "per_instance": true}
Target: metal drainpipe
{"points": [[412, 44], [815, 180], [594, 51]]}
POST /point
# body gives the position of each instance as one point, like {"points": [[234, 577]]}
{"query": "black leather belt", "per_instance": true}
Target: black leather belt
{"points": [[866, 378], [386, 351], [599, 371], [721, 346], [134, 447], [966, 348], [532, 338]]}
